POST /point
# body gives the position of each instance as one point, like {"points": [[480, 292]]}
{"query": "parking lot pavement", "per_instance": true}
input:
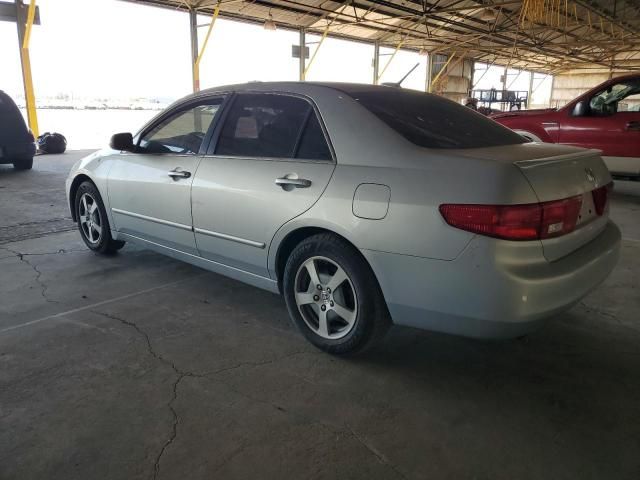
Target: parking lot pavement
{"points": [[137, 366]]}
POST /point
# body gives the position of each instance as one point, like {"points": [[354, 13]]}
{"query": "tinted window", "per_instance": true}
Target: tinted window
{"points": [[431, 121], [182, 132], [263, 125], [313, 144], [624, 96]]}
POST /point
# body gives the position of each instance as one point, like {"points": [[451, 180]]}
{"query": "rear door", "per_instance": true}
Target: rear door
{"points": [[150, 190], [269, 162]]}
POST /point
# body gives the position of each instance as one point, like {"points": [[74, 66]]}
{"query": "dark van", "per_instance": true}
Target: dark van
{"points": [[17, 144]]}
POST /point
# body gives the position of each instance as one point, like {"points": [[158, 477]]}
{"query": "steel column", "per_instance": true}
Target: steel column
{"points": [[376, 61], [303, 61], [504, 78], [427, 85], [24, 34], [530, 92], [193, 29]]}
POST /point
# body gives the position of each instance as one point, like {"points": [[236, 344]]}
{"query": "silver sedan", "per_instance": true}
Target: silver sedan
{"points": [[363, 206]]}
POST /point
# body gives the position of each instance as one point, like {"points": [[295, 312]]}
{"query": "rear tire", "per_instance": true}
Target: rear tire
{"points": [[333, 296], [93, 222], [23, 164]]}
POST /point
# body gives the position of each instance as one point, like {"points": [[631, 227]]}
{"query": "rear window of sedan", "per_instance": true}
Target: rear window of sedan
{"points": [[434, 122]]}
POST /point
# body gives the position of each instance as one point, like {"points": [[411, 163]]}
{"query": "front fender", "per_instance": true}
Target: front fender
{"points": [[96, 168]]}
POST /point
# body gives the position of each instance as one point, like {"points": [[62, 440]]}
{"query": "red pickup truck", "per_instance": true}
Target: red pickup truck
{"points": [[606, 118]]}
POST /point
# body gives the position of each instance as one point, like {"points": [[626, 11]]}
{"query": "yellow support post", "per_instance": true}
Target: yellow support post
{"points": [[196, 64], [390, 58], [29, 94], [315, 52], [434, 81]]}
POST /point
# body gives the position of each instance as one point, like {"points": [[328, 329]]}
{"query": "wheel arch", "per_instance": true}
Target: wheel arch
{"points": [[294, 237], [73, 189]]}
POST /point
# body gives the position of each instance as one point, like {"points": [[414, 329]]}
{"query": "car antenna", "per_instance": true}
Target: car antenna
{"points": [[399, 84]]}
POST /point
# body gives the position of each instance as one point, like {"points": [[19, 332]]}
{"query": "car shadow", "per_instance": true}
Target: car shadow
{"points": [[577, 372]]}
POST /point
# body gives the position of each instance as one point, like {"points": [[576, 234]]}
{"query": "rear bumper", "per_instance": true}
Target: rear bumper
{"points": [[19, 151], [494, 289]]}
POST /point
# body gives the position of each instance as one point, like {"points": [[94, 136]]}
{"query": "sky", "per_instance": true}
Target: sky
{"points": [[107, 48]]}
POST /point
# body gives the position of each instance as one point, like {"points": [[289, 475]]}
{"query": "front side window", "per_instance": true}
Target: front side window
{"points": [[623, 96], [271, 126], [432, 121], [181, 133]]}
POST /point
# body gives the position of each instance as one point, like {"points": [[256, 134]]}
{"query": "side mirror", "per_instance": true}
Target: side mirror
{"points": [[581, 109], [122, 142]]}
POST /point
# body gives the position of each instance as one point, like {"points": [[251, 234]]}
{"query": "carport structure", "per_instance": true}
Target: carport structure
{"points": [[543, 36], [549, 36]]}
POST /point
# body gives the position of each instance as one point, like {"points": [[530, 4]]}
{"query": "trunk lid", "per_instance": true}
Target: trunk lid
{"points": [[557, 172]]}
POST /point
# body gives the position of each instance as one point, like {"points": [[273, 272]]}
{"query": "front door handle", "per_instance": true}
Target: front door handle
{"points": [[290, 183], [633, 126], [176, 173]]}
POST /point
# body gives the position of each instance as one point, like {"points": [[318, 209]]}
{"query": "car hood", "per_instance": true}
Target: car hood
{"points": [[522, 113]]}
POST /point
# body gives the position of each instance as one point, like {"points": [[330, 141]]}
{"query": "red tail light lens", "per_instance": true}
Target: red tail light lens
{"points": [[601, 198], [513, 222], [516, 222], [560, 216]]}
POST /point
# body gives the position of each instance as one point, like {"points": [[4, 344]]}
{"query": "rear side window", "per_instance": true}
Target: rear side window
{"points": [[313, 144], [271, 126], [434, 122]]}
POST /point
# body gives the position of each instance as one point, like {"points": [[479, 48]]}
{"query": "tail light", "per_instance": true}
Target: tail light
{"points": [[533, 221], [601, 198]]}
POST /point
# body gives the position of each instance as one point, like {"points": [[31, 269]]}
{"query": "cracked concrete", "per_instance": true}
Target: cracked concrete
{"points": [[147, 368], [180, 375], [38, 279]]}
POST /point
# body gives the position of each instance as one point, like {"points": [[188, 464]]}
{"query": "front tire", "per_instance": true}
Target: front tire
{"points": [[23, 164], [93, 222], [333, 297]]}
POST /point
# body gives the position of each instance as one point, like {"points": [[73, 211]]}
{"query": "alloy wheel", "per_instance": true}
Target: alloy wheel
{"points": [[326, 298], [90, 219]]}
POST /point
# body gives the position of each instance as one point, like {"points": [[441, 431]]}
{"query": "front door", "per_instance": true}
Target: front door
{"points": [[150, 190], [271, 163], [611, 123]]}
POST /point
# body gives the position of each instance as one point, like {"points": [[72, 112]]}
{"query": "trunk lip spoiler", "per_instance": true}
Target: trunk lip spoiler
{"points": [[535, 162]]}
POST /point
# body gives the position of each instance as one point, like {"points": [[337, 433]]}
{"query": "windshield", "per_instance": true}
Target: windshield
{"points": [[432, 121]]}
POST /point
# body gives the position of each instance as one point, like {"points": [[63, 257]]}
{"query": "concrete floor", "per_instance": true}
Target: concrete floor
{"points": [[139, 367]]}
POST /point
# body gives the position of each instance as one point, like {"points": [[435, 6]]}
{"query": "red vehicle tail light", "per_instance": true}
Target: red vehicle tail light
{"points": [[531, 221], [560, 216], [601, 197]]}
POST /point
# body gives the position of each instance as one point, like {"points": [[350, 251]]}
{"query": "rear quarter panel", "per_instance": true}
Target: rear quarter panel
{"points": [[419, 179], [413, 224]]}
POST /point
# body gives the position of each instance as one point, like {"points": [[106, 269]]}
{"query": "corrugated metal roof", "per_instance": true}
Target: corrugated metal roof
{"points": [[559, 35]]}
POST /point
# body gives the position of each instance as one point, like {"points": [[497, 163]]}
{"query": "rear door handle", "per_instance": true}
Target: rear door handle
{"points": [[293, 182], [176, 173], [634, 126]]}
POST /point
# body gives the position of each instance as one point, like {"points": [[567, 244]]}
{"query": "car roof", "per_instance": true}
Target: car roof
{"points": [[294, 87]]}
